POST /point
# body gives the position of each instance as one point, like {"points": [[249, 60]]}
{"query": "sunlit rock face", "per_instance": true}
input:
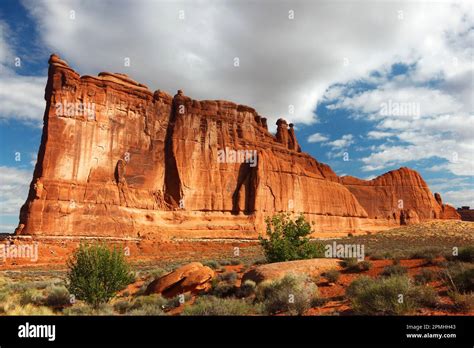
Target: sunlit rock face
{"points": [[119, 160]]}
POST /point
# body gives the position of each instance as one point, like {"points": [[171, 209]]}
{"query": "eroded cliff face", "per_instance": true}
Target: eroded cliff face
{"points": [[117, 159], [401, 195]]}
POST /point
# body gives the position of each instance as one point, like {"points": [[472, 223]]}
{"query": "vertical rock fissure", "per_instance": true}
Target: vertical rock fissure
{"points": [[172, 187]]}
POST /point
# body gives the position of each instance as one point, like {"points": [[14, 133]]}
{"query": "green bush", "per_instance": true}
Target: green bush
{"points": [[394, 295], [354, 266], [212, 264], [332, 276], [178, 300], [466, 254], [365, 265], [57, 296], [287, 240], [427, 254], [31, 296], [459, 277], [246, 289], [462, 302], [158, 273], [146, 310], [223, 289], [123, 306], [230, 277], [381, 256], [149, 301], [86, 309], [393, 270], [210, 305], [291, 295], [96, 273], [350, 263], [425, 276]]}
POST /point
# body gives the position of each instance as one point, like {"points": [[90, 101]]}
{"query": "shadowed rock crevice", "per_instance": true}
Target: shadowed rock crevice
{"points": [[173, 191]]}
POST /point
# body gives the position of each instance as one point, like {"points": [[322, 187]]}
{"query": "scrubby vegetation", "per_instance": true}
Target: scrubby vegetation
{"points": [[394, 295], [425, 276], [393, 270], [459, 277], [210, 305], [353, 265], [427, 254], [288, 240], [291, 295], [97, 273], [332, 276]]}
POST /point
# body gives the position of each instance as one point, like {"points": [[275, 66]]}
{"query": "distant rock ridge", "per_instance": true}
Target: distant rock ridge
{"points": [[126, 161]]}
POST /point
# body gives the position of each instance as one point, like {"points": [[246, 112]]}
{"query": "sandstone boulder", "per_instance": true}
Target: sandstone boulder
{"points": [[272, 271], [193, 277]]}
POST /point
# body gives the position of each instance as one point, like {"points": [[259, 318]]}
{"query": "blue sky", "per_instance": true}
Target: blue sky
{"points": [[337, 71]]}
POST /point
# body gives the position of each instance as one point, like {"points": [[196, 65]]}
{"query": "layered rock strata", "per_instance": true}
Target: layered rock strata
{"points": [[117, 159]]}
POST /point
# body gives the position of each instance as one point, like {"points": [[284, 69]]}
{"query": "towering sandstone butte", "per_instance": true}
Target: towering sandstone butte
{"points": [[119, 160]]}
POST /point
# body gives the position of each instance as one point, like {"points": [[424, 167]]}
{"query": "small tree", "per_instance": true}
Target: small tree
{"points": [[287, 239], [97, 273]]}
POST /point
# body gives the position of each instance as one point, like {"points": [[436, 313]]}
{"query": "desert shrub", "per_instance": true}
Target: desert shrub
{"points": [[23, 286], [149, 301], [427, 254], [96, 273], [210, 305], [57, 296], [466, 254], [462, 302], [146, 310], [260, 261], [230, 277], [178, 300], [223, 289], [354, 266], [123, 306], [246, 289], [233, 262], [425, 276], [291, 294], [349, 263], [288, 240], [381, 256], [365, 265], [86, 309], [30, 309], [212, 264], [459, 277], [4, 293], [332, 276], [30, 296], [157, 273], [389, 296], [393, 270]]}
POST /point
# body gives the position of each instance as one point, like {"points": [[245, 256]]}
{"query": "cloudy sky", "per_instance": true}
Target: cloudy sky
{"points": [[371, 86]]}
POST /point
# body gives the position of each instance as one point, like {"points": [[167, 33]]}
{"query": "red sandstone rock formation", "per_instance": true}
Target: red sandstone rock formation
{"points": [[193, 277], [401, 195], [124, 161]]}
